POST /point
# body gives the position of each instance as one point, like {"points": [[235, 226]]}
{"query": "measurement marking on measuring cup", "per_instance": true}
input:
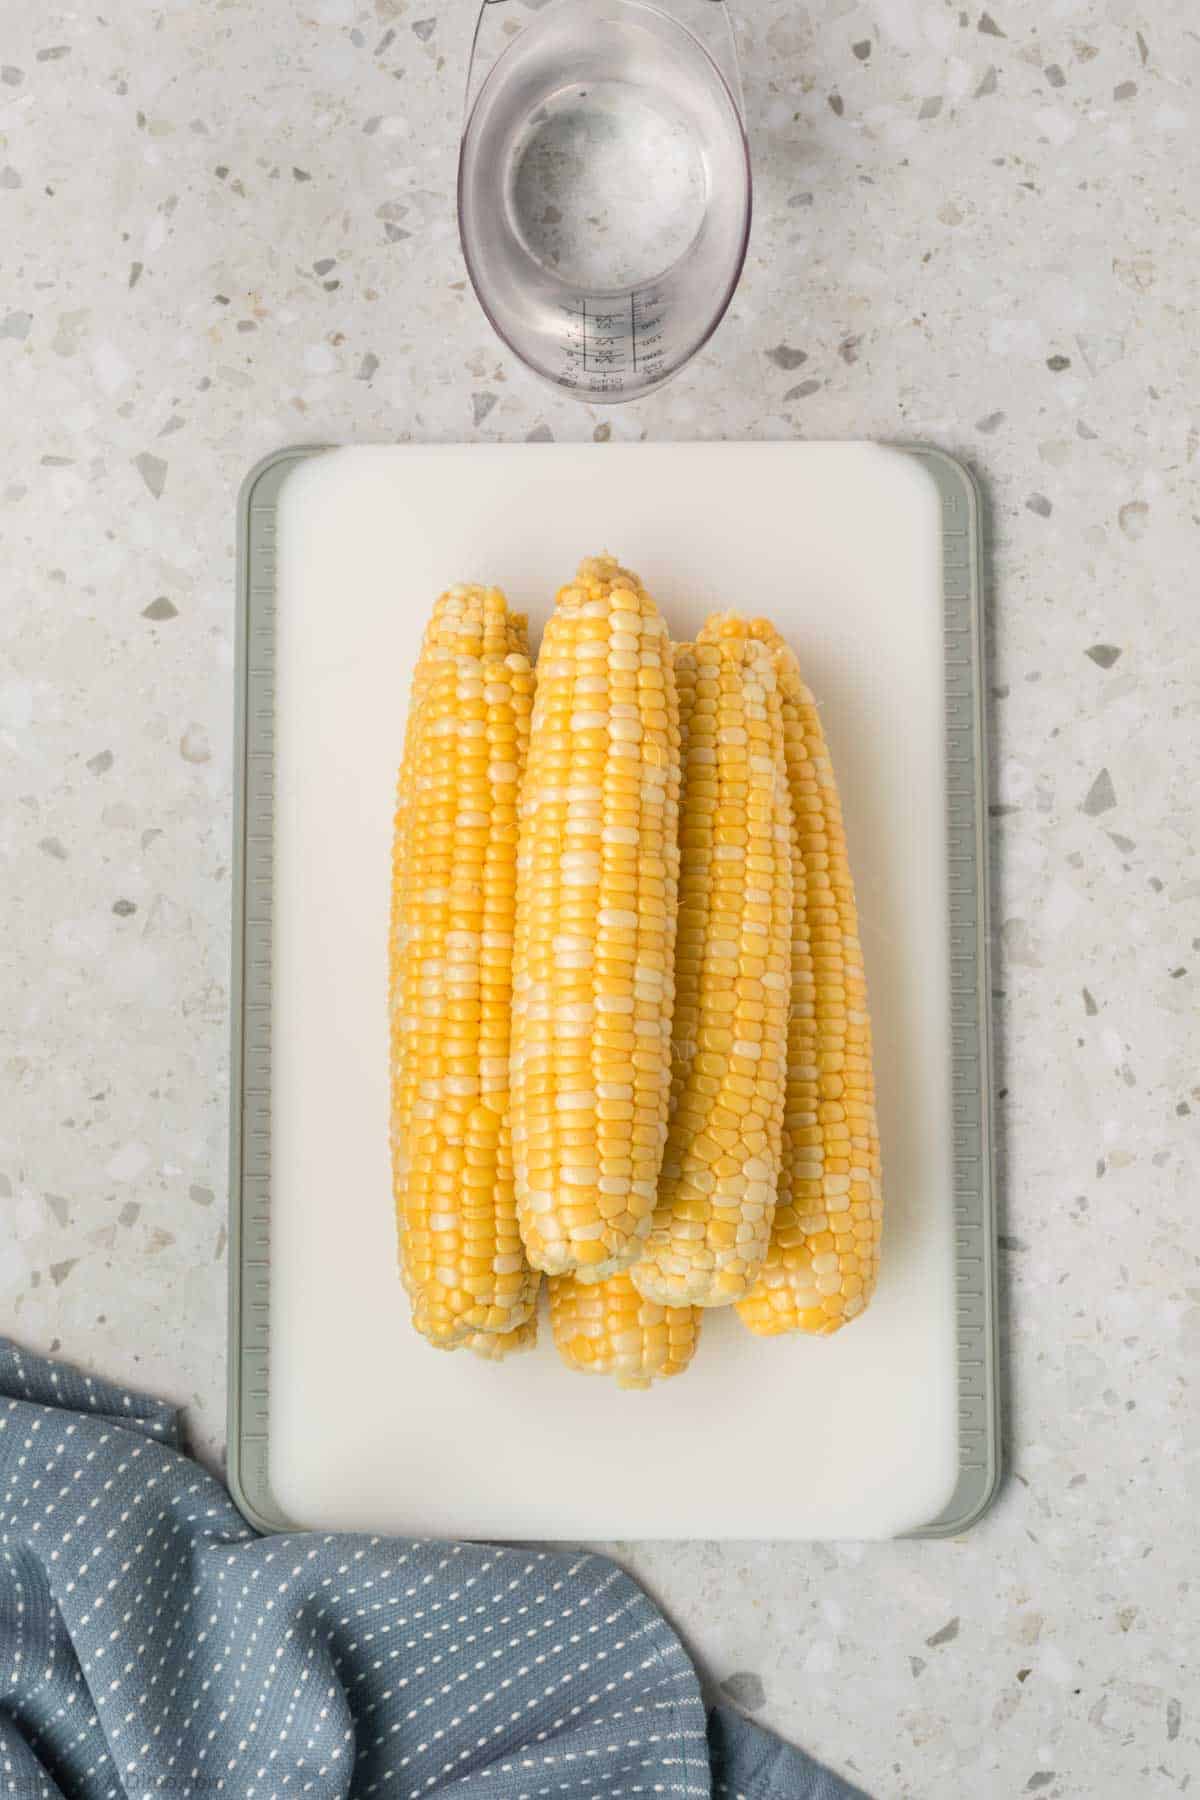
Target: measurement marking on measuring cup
{"points": [[606, 341]]}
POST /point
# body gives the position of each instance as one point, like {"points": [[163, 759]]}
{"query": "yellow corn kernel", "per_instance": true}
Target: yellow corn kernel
{"points": [[450, 949], [498, 1346], [823, 1259], [607, 1328], [721, 1168], [692, 920], [593, 972], [495, 1346]]}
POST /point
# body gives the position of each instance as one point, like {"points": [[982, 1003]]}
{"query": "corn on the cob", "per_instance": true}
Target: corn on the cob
{"points": [[595, 932], [823, 1259], [405, 1064], [453, 888], [607, 1328], [402, 966], [721, 1168]]}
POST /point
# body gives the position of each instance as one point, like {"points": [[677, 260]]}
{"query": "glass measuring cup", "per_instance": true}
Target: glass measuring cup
{"points": [[604, 188]]}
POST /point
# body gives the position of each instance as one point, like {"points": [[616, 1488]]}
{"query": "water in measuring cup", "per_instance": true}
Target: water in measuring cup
{"points": [[607, 191], [604, 195], [608, 185]]}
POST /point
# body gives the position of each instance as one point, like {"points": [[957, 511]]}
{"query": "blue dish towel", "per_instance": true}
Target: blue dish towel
{"points": [[152, 1645]]}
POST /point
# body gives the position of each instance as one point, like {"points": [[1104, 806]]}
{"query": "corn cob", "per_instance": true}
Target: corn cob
{"points": [[401, 931], [453, 887], [823, 1259], [606, 1328], [597, 877], [720, 1172], [405, 1066]]}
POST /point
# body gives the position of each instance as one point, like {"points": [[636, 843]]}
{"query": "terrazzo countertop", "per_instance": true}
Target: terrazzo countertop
{"points": [[228, 227]]}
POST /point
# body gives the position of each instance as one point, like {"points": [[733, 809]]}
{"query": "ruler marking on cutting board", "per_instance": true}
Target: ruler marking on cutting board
{"points": [[969, 1002], [254, 854], [254, 1459]]}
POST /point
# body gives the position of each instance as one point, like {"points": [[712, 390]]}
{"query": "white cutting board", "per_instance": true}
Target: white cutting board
{"points": [[853, 1436]]}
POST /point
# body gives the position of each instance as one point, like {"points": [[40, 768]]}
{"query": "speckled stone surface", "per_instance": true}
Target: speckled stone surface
{"points": [[228, 227]]}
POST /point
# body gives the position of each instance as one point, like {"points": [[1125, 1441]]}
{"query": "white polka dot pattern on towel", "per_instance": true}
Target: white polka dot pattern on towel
{"points": [[153, 1648], [152, 1645]]}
